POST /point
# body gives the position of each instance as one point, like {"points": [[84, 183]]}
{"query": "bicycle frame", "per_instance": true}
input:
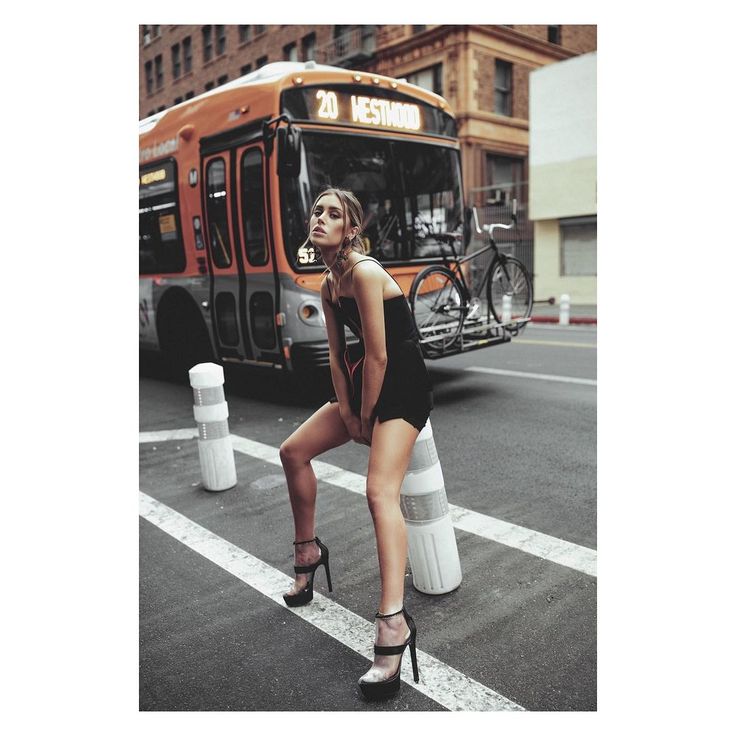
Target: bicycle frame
{"points": [[457, 334], [454, 264]]}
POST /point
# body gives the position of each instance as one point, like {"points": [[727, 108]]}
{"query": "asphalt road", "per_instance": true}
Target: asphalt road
{"points": [[515, 430]]}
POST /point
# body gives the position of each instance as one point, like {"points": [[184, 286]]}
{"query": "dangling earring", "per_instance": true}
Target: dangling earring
{"points": [[342, 254]]}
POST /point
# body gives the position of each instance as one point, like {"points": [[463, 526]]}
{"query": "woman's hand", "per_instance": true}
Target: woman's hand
{"points": [[353, 423], [366, 429]]}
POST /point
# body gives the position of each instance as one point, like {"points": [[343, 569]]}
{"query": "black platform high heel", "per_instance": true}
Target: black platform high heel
{"points": [[386, 688], [305, 596]]}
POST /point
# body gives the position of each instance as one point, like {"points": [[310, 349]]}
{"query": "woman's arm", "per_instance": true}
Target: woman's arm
{"points": [[368, 290], [336, 340]]}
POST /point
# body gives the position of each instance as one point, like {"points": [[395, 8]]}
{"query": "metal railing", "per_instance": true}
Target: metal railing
{"points": [[494, 205], [357, 44]]}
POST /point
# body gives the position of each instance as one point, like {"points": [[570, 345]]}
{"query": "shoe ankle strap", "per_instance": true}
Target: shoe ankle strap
{"points": [[306, 541], [388, 615]]}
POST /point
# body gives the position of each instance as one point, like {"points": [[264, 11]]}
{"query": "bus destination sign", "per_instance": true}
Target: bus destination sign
{"points": [[364, 107], [157, 180], [366, 110]]}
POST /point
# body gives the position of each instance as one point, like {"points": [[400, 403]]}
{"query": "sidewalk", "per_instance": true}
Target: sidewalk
{"points": [[580, 314]]}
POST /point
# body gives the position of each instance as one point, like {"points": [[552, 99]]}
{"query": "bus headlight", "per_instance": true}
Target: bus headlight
{"points": [[311, 314]]}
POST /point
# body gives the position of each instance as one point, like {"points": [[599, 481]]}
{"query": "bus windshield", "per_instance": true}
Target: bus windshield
{"points": [[409, 192]]}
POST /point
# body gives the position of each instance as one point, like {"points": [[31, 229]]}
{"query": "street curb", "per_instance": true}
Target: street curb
{"points": [[573, 320]]}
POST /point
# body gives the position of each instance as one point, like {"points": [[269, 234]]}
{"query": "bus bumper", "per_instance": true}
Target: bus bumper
{"points": [[310, 355]]}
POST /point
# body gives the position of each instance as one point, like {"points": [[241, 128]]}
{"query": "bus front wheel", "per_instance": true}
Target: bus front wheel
{"points": [[184, 339]]}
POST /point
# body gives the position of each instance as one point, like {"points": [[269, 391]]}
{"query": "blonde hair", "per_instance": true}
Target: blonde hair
{"points": [[354, 211]]}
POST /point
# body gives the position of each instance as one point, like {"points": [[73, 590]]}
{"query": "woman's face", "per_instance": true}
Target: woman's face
{"points": [[326, 225]]}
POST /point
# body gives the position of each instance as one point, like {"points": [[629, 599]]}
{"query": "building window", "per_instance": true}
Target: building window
{"points": [[189, 95], [503, 170], [430, 78], [290, 52], [159, 63], [149, 77], [554, 34], [161, 109], [208, 86], [149, 33], [221, 39], [502, 88], [221, 80], [177, 100], [186, 45], [244, 33], [259, 30], [261, 61], [504, 179], [245, 69], [308, 44], [418, 29], [151, 112], [207, 42], [176, 61], [578, 242]]}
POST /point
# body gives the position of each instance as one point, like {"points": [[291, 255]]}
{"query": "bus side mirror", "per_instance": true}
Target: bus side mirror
{"points": [[466, 226], [289, 151]]}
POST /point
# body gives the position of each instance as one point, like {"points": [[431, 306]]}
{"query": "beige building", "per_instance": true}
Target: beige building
{"points": [[562, 180]]}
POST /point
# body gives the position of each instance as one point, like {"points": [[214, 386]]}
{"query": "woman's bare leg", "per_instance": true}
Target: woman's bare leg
{"points": [[391, 447], [321, 432]]}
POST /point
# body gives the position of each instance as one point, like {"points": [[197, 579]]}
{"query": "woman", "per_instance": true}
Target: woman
{"points": [[383, 398]]}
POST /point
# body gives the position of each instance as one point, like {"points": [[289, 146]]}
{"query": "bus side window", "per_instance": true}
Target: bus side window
{"points": [[252, 207], [217, 213], [160, 246]]}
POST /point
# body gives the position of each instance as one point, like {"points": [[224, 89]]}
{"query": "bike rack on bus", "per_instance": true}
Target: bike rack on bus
{"points": [[477, 333]]}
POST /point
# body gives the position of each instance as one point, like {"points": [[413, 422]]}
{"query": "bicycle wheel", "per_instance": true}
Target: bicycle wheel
{"points": [[508, 276], [438, 307]]}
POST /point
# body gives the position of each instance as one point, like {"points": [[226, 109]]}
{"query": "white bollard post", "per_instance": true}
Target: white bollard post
{"points": [[216, 457], [565, 309], [506, 308], [433, 556]]}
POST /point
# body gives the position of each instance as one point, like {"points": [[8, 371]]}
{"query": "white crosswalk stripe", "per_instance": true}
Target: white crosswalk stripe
{"points": [[575, 556], [437, 680]]}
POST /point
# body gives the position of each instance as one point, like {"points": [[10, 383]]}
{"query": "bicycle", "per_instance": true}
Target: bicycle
{"points": [[441, 300]]}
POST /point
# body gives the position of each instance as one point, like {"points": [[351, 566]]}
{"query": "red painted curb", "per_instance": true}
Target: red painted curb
{"points": [[573, 320]]}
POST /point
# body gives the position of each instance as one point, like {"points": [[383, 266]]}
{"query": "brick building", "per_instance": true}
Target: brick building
{"points": [[482, 71]]}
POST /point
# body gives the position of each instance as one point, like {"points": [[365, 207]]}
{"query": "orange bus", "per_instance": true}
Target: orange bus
{"points": [[225, 185]]}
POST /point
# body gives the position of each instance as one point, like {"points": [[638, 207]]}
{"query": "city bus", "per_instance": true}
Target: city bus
{"points": [[226, 180]]}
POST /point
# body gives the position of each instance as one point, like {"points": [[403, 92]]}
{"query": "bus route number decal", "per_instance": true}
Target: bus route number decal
{"points": [[328, 107], [306, 255]]}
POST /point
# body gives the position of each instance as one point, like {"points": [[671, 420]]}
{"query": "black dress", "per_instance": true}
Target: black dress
{"points": [[406, 391]]}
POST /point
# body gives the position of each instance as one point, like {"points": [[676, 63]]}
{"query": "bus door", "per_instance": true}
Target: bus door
{"points": [[258, 303], [227, 274]]}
